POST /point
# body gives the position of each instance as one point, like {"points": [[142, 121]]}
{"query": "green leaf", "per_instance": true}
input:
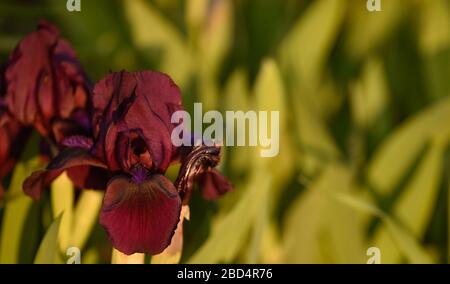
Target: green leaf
{"points": [[85, 217], [393, 158], [366, 31], [434, 33], [303, 56], [270, 96], [369, 95], [150, 29], [20, 219], [320, 230], [402, 240], [305, 50], [214, 43], [417, 202], [236, 97], [62, 198], [230, 231], [49, 248], [416, 205]]}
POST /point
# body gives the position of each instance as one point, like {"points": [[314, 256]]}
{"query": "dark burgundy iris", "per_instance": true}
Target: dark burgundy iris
{"points": [[46, 87], [12, 139], [131, 150]]}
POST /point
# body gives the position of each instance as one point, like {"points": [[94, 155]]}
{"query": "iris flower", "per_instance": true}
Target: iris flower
{"points": [[128, 154], [46, 87]]}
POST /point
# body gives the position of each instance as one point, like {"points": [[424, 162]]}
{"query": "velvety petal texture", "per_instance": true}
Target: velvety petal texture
{"points": [[13, 137], [140, 217], [213, 184], [68, 159], [132, 119], [45, 83], [127, 154]]}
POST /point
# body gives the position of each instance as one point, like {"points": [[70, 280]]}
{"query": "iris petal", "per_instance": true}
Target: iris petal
{"points": [[67, 159], [140, 101], [213, 184], [140, 217]]}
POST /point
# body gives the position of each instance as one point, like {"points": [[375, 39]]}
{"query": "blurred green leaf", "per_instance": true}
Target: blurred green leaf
{"points": [[303, 55], [319, 230], [434, 34], [215, 41], [236, 97], [416, 204], [270, 96], [369, 95], [18, 206], [62, 197], [397, 153], [151, 30], [367, 30], [85, 217], [48, 248], [230, 231], [401, 239], [305, 50]]}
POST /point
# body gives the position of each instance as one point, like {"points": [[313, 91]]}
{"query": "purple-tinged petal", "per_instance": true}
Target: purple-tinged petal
{"points": [[78, 141], [68, 158], [140, 217]]}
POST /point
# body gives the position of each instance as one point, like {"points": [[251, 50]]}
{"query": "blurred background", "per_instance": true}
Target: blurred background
{"points": [[364, 137]]}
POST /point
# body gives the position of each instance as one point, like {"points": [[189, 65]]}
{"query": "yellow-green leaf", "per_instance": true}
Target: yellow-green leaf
{"points": [[62, 197], [85, 217], [49, 248], [16, 212], [397, 153], [230, 231]]}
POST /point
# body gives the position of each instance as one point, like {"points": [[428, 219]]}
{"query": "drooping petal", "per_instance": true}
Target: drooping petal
{"points": [[213, 184], [68, 158], [89, 177], [140, 217], [172, 254]]}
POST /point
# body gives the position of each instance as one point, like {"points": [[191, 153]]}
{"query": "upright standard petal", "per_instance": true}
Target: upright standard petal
{"points": [[130, 104], [140, 217], [45, 82]]}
